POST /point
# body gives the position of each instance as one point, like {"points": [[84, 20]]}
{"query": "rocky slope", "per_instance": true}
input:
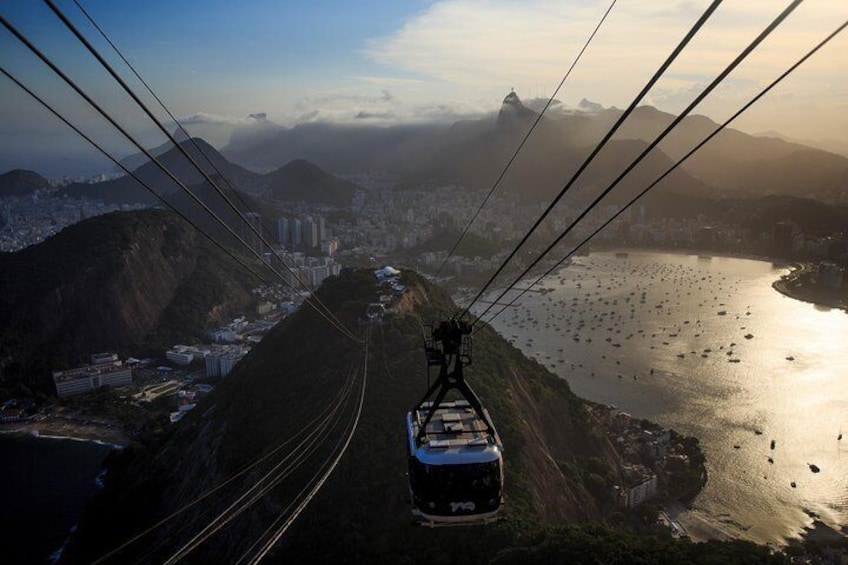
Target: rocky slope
{"points": [[110, 283]]}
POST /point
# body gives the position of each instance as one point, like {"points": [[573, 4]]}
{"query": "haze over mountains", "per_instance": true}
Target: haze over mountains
{"points": [[297, 181], [472, 152]]}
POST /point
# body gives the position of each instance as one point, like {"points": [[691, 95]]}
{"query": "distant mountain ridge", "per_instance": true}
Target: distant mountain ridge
{"points": [[296, 181], [301, 180], [125, 189], [19, 182], [472, 152], [136, 160]]}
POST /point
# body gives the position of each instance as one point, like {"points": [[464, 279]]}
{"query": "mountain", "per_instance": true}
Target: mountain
{"points": [[549, 159], [739, 164], [515, 114], [558, 459], [586, 105], [299, 180], [291, 375], [126, 190], [472, 152], [119, 282], [259, 130], [19, 182], [339, 148], [832, 145], [302, 181], [134, 161]]}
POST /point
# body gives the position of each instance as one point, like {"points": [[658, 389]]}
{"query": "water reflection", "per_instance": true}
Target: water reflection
{"points": [[705, 345]]}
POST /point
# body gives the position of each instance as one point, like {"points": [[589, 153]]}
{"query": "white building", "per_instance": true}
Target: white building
{"points": [[185, 354], [90, 377], [640, 492], [220, 363]]}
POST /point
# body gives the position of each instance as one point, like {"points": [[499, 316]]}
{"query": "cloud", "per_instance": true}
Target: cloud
{"points": [[357, 105], [217, 119], [390, 81], [365, 115], [488, 46]]}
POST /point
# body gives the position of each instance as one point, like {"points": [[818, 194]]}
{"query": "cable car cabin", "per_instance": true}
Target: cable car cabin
{"points": [[456, 468], [375, 311]]}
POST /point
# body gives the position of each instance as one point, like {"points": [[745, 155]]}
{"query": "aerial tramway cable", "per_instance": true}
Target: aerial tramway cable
{"points": [[330, 467], [161, 103], [674, 54], [272, 478], [82, 39], [313, 424], [248, 467], [721, 76], [23, 39], [260, 460], [679, 162], [524, 140], [100, 148]]}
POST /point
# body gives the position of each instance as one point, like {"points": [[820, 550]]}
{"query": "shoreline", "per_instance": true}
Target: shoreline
{"points": [[801, 293], [787, 263], [806, 293], [700, 524], [113, 437]]}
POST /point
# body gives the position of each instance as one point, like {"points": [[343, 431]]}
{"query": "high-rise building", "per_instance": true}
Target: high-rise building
{"points": [[296, 233], [283, 231], [310, 233], [322, 229]]}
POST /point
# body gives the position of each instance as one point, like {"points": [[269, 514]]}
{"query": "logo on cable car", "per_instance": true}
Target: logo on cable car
{"points": [[457, 506]]}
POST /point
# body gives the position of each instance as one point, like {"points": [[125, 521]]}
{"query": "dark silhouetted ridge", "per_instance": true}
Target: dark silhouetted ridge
{"points": [[20, 182]]}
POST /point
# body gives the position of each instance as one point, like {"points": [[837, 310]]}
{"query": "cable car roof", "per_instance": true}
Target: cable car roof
{"points": [[454, 435]]}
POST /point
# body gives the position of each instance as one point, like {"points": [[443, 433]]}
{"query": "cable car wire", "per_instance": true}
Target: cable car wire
{"points": [[271, 479], [149, 89], [674, 54], [240, 473], [23, 39], [248, 467], [314, 491], [691, 152], [161, 103], [100, 148], [716, 81], [82, 39], [524, 140]]}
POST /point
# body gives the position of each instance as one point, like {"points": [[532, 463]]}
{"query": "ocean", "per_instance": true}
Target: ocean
{"points": [[44, 484], [706, 346]]}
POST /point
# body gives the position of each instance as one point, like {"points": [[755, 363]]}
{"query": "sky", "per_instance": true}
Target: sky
{"points": [[385, 62]]}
